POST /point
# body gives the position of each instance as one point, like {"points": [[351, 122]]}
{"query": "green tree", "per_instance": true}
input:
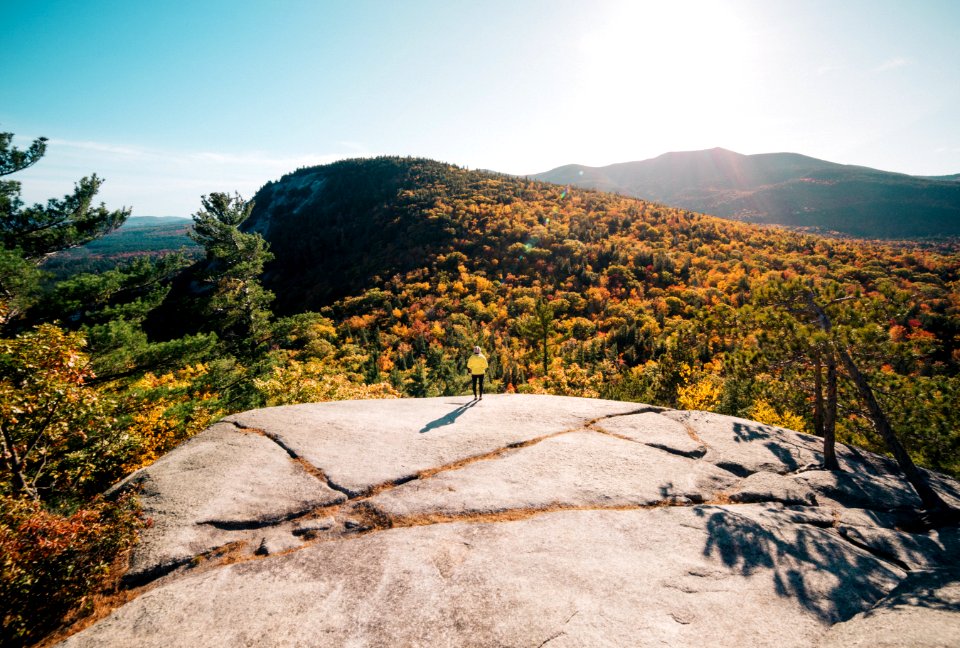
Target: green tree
{"points": [[39, 230], [29, 234], [239, 304], [931, 500], [537, 327], [831, 338]]}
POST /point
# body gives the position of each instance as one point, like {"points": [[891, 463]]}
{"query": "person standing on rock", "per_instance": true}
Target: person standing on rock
{"points": [[477, 364]]}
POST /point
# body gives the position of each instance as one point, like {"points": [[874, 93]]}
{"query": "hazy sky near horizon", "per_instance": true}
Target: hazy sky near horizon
{"points": [[171, 100]]}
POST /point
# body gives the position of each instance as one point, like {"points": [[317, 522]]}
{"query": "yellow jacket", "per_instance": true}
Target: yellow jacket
{"points": [[477, 364]]}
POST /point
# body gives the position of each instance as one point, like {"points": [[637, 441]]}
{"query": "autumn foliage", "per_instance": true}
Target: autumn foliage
{"points": [[51, 563], [375, 278]]}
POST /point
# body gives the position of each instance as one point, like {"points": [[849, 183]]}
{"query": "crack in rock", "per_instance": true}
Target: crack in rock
{"points": [[734, 468], [226, 553], [689, 454], [355, 514], [873, 551], [560, 632], [306, 465], [247, 525]]}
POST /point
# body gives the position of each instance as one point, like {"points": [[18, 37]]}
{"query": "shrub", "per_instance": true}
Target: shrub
{"points": [[52, 564]]}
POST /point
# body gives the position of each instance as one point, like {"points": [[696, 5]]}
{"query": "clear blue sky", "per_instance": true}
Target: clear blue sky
{"points": [[171, 100]]}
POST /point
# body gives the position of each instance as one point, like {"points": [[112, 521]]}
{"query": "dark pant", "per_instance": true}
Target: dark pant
{"points": [[477, 380]]}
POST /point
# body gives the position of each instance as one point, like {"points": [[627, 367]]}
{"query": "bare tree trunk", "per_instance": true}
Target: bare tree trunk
{"points": [[929, 497], [825, 417], [931, 501], [830, 416], [818, 395], [19, 484]]}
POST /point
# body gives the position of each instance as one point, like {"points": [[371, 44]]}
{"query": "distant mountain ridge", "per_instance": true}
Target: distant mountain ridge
{"points": [[783, 188], [138, 236]]}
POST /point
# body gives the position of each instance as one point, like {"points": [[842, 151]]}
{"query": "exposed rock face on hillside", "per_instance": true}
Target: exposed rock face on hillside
{"points": [[527, 521]]}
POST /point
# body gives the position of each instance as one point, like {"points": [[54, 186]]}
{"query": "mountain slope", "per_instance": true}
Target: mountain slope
{"points": [[138, 236], [783, 188], [409, 263]]}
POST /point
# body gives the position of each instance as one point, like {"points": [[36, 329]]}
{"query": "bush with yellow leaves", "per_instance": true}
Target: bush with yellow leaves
{"points": [[316, 381], [700, 390], [764, 412]]}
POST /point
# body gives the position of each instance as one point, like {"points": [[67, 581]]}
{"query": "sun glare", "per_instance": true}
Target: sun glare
{"points": [[672, 70]]}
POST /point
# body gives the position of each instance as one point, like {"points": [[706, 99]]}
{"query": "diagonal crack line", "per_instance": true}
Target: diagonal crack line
{"points": [[692, 433], [689, 454], [306, 465], [556, 635], [698, 453], [876, 553], [461, 463], [561, 632], [249, 525], [646, 409], [381, 521], [216, 556]]}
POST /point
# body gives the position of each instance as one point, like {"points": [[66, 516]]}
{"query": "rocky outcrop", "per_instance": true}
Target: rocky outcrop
{"points": [[526, 521]]}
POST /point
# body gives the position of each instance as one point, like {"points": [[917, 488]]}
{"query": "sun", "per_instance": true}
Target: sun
{"points": [[670, 68]]}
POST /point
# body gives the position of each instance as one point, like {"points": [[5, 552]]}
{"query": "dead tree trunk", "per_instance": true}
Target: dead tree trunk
{"points": [[818, 394], [931, 501], [830, 416], [825, 414]]}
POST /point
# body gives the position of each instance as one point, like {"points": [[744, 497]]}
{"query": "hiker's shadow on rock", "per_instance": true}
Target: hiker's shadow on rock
{"points": [[447, 419]]}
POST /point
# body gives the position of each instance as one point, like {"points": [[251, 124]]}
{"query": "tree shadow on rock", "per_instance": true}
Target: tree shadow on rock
{"points": [[746, 433], [926, 589], [778, 446], [798, 565]]}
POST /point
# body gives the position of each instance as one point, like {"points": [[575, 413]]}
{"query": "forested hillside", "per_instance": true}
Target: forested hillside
{"points": [[581, 292], [786, 189], [138, 236], [375, 278]]}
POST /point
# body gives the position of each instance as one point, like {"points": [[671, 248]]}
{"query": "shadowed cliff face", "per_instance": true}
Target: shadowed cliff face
{"points": [[524, 520], [334, 229]]}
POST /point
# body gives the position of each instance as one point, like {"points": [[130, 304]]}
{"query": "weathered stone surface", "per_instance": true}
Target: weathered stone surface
{"points": [[580, 469], [277, 541], [922, 612], [947, 488], [656, 431], [307, 527], [524, 521], [363, 444], [771, 487], [676, 576], [219, 482], [914, 550], [862, 490], [745, 447], [870, 518]]}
